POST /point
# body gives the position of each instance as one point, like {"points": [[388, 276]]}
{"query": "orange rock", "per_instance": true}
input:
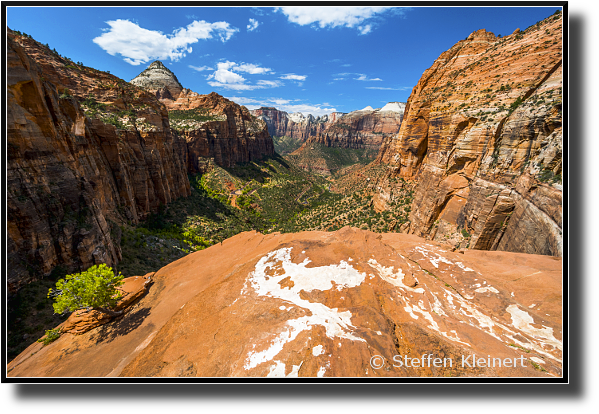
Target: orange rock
{"points": [[489, 112], [325, 304]]}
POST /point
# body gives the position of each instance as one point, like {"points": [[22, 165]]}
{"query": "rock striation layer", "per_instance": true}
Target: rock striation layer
{"points": [[358, 129], [364, 129], [159, 80], [215, 127], [318, 304], [86, 151], [482, 139]]}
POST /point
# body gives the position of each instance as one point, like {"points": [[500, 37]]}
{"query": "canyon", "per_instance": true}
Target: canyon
{"points": [[284, 245], [362, 129]]}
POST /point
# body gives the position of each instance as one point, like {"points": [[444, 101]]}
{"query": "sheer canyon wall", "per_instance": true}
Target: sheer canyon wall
{"points": [[482, 140]]}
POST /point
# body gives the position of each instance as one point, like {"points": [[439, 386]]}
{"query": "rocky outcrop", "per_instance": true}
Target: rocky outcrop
{"points": [[212, 126], [359, 129], [296, 126], [86, 151], [482, 138], [83, 320], [318, 304], [226, 131], [158, 79], [364, 129]]}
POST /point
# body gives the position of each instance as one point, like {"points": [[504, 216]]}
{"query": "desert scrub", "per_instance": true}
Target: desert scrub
{"points": [[50, 336]]}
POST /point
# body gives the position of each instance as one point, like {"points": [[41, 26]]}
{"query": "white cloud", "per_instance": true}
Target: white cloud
{"points": [[200, 68], [388, 89], [138, 45], [360, 77], [253, 25], [365, 29], [225, 77], [284, 105], [334, 16], [293, 76], [252, 69], [270, 84]]}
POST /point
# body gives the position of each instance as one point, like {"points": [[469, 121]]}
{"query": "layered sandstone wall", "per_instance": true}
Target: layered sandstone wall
{"points": [[363, 129], [482, 138], [233, 135], [72, 176], [296, 125]]}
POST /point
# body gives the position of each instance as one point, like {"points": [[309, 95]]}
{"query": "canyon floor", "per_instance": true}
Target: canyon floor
{"points": [[268, 196]]}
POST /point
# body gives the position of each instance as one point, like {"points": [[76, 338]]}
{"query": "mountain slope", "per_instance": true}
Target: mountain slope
{"points": [[482, 137], [86, 151]]}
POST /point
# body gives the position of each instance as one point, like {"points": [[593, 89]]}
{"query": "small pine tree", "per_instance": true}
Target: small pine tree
{"points": [[95, 288]]}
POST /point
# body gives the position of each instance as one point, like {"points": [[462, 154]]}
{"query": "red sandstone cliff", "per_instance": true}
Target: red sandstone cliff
{"points": [[358, 129], [482, 138], [229, 133], [362, 129], [86, 151]]}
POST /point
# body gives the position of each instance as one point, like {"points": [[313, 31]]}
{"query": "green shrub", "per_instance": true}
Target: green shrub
{"points": [[51, 336], [95, 288]]}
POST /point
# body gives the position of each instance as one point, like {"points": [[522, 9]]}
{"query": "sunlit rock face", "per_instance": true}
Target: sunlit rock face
{"points": [[159, 80], [482, 138], [365, 128], [318, 304]]}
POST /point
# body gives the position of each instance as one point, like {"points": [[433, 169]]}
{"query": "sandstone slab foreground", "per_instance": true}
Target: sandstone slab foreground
{"points": [[317, 304]]}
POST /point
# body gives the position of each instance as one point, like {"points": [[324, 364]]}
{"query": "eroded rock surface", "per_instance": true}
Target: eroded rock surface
{"points": [[86, 151], [482, 138], [324, 304]]}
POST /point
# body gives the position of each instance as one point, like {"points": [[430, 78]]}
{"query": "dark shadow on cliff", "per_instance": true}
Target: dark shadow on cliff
{"points": [[255, 170]]}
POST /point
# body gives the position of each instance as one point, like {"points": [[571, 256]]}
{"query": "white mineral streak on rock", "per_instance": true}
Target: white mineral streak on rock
{"points": [[486, 289], [321, 372], [461, 266], [277, 370], [396, 279], [337, 324], [434, 260], [317, 350], [523, 321], [537, 360]]}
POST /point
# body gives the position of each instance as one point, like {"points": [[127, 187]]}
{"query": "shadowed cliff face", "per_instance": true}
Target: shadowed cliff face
{"points": [[86, 152], [228, 132], [318, 304], [482, 137]]}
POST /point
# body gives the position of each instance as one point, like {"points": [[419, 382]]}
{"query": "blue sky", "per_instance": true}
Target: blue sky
{"points": [[299, 59]]}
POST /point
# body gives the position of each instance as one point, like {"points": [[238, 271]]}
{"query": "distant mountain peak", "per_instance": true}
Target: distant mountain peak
{"points": [[160, 80]]}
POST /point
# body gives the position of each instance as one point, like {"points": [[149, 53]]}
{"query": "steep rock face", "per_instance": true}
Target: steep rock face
{"points": [[482, 137], [158, 79], [362, 129], [320, 304], [71, 175], [212, 126], [228, 132], [296, 125], [359, 129]]}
